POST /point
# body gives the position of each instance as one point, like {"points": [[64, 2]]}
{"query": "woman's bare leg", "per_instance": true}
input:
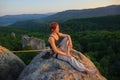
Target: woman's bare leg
{"points": [[68, 48], [65, 45], [76, 64]]}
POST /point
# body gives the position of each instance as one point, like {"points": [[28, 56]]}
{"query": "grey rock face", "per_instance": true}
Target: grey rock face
{"points": [[13, 35], [10, 66], [35, 43], [44, 67]]}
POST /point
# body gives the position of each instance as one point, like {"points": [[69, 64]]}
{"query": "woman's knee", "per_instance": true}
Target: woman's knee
{"points": [[63, 42], [65, 39]]}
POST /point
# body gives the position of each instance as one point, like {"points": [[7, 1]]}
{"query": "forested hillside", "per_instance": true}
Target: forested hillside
{"points": [[98, 38], [97, 23]]}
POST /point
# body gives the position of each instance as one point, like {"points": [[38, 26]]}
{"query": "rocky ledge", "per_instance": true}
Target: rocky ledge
{"points": [[44, 67]]}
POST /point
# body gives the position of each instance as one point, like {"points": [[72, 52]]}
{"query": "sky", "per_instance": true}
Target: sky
{"points": [[13, 7]]}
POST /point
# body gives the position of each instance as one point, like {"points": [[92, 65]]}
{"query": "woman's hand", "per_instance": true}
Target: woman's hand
{"points": [[71, 46]]}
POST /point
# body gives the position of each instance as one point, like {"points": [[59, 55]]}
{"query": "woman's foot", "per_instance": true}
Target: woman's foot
{"points": [[92, 71], [69, 55]]}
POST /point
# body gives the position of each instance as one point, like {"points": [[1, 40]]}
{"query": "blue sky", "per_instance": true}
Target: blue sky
{"points": [[12, 7]]}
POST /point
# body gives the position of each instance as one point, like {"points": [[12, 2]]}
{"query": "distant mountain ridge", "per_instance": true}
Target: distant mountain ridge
{"points": [[10, 19], [85, 13], [63, 16]]}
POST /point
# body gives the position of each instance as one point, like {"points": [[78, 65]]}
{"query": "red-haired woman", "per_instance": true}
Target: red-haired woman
{"points": [[63, 51]]}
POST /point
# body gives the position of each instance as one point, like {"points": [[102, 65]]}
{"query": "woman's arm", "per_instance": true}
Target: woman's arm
{"points": [[68, 36], [63, 35], [55, 49]]}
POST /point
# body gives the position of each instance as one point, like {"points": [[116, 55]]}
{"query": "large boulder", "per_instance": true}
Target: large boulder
{"points": [[44, 67], [10, 66], [34, 43]]}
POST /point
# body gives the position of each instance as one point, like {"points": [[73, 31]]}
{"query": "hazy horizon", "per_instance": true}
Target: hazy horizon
{"points": [[15, 7]]}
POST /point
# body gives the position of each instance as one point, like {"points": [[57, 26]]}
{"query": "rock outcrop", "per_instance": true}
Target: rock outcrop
{"points": [[13, 35], [44, 67], [35, 43], [10, 66]]}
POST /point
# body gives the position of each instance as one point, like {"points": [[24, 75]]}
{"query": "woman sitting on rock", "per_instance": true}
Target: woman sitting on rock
{"points": [[62, 50]]}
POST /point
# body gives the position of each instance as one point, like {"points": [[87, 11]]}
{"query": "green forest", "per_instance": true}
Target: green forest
{"points": [[98, 38]]}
